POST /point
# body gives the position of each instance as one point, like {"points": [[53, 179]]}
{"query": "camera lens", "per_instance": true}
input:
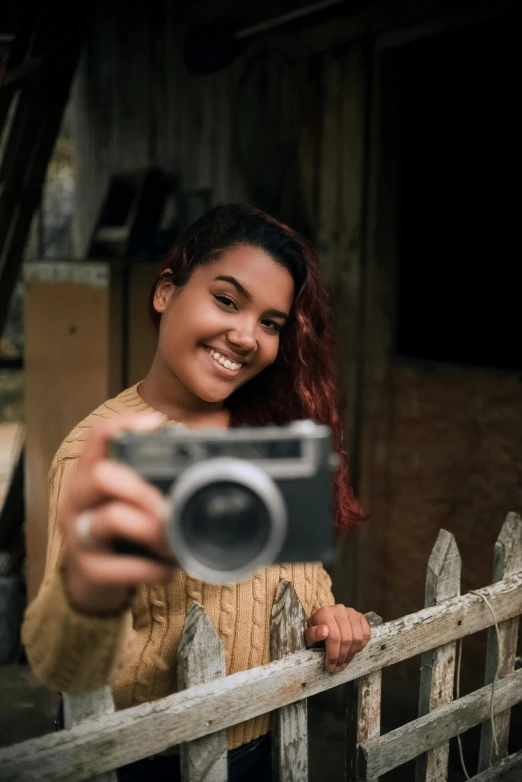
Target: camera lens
{"points": [[228, 519], [225, 524]]}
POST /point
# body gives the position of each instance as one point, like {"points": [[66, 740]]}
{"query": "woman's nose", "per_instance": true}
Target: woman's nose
{"points": [[242, 337]]}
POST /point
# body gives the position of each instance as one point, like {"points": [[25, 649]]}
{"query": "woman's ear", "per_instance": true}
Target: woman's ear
{"points": [[164, 291]]}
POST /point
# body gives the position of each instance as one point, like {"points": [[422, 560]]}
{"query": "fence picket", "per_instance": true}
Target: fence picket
{"points": [[77, 708], [438, 665], [201, 658], [289, 724], [507, 560], [363, 713]]}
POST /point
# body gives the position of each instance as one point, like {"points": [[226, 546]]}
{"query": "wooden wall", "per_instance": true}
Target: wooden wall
{"points": [[135, 105], [282, 127]]}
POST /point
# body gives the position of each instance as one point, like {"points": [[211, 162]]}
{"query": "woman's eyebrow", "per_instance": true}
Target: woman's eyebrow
{"points": [[277, 314], [248, 296], [237, 285]]}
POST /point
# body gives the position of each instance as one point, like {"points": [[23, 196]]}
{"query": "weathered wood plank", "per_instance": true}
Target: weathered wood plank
{"points": [[328, 201], [363, 712], [153, 727], [380, 755], [201, 659], [508, 770], [381, 22], [347, 293], [438, 665], [507, 560], [92, 705], [289, 725], [372, 437]]}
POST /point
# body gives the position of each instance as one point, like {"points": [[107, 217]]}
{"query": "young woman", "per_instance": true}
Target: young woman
{"points": [[243, 337]]}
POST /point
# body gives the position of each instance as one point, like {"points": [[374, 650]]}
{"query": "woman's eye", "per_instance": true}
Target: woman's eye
{"points": [[225, 301], [272, 326]]}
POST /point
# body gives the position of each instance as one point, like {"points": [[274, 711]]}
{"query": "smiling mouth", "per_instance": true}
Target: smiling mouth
{"points": [[226, 363]]}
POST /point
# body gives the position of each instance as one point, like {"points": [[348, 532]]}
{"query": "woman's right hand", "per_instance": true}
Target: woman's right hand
{"points": [[120, 504]]}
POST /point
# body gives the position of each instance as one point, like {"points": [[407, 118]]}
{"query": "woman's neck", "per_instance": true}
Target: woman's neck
{"points": [[163, 391]]}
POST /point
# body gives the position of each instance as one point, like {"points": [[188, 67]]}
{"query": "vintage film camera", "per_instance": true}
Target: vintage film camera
{"points": [[242, 498]]}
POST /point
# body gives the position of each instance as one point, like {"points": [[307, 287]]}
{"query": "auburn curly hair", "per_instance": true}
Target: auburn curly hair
{"points": [[301, 382]]}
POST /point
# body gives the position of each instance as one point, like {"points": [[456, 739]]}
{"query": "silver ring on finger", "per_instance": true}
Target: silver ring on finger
{"points": [[83, 529]]}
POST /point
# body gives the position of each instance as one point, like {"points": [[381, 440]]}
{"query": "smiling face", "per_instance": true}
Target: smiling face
{"points": [[222, 328]]}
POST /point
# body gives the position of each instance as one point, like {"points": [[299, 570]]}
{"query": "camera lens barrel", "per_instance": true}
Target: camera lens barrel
{"points": [[228, 519]]}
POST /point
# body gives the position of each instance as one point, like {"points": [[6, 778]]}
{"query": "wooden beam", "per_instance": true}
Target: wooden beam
{"points": [[19, 49], [508, 770], [99, 745], [17, 77], [386, 22], [32, 135]]}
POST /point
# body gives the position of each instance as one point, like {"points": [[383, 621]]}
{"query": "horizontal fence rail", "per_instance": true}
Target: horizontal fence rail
{"points": [[508, 770]]}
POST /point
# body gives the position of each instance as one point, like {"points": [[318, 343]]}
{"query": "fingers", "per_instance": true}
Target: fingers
{"points": [[109, 570], [108, 480], [316, 634], [366, 630], [347, 632], [350, 637], [333, 644], [119, 520], [122, 506], [96, 447]]}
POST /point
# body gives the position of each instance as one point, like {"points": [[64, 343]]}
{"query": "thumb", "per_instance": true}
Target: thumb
{"points": [[316, 634]]}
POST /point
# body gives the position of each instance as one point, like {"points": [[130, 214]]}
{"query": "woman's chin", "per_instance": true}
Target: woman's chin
{"points": [[212, 396]]}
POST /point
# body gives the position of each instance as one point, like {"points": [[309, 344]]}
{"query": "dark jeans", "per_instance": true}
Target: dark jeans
{"points": [[250, 763]]}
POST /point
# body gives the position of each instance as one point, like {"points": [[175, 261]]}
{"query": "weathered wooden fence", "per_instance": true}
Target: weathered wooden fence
{"points": [[98, 739]]}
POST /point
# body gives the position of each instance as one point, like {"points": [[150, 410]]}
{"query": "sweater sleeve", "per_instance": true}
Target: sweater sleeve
{"points": [[67, 650], [323, 590]]}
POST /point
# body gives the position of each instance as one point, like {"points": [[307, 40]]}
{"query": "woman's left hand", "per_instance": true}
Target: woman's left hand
{"points": [[344, 632]]}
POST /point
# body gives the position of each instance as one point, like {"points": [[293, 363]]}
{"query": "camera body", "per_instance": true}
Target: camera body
{"points": [[241, 498]]}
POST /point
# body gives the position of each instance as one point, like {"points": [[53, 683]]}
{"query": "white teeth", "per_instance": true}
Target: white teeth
{"points": [[225, 362]]}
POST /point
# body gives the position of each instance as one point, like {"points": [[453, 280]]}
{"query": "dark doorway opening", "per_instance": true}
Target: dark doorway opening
{"points": [[459, 202]]}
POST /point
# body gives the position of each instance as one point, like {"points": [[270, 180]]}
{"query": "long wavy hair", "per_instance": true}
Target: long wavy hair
{"points": [[301, 382]]}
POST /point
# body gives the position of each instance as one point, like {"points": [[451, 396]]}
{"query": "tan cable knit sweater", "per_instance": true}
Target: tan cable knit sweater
{"points": [[136, 652]]}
